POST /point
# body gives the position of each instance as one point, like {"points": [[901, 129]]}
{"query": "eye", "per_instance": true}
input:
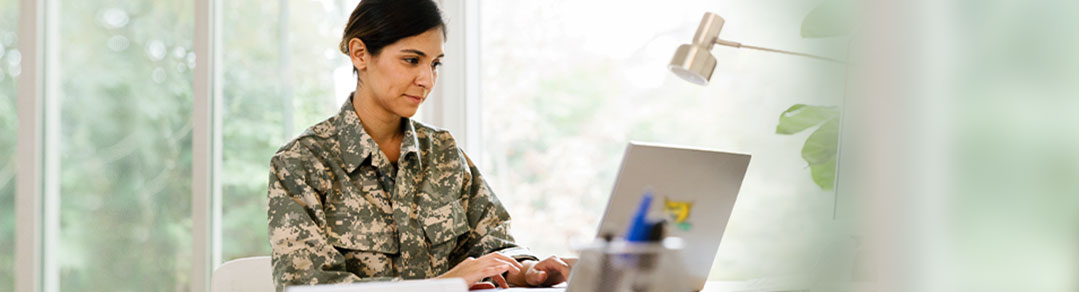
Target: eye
{"points": [[412, 60], [436, 65]]}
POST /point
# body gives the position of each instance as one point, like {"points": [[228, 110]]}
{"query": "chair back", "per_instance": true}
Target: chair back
{"points": [[252, 274]]}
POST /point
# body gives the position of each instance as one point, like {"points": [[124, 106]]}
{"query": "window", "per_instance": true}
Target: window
{"points": [[125, 145], [561, 93], [9, 69], [282, 74], [564, 89]]}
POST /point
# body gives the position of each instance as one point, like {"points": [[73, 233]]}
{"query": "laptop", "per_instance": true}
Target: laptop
{"points": [[694, 188]]}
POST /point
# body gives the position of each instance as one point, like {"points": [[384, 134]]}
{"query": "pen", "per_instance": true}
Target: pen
{"points": [[639, 228]]}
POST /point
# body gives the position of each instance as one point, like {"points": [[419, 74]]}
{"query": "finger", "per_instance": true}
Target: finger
{"points": [[513, 268], [496, 269], [511, 261], [570, 261], [553, 264], [535, 277], [557, 270], [556, 278], [503, 257], [562, 267], [482, 285], [501, 281]]}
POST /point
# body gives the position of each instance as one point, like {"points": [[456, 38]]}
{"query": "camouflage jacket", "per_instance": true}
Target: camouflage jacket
{"points": [[340, 212]]}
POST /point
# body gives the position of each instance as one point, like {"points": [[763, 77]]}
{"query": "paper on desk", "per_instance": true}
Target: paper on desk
{"points": [[431, 285]]}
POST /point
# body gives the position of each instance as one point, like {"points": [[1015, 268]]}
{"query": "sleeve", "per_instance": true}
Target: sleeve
{"points": [[488, 220], [300, 251]]}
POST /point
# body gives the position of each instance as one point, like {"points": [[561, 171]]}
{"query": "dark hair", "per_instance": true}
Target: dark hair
{"points": [[379, 23]]}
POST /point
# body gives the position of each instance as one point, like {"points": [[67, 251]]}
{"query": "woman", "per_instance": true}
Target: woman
{"points": [[371, 195]]}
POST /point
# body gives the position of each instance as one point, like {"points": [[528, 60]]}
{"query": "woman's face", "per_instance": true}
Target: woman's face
{"points": [[401, 76]]}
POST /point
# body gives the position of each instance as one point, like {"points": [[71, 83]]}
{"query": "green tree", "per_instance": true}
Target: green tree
{"points": [[125, 145], [277, 81]]}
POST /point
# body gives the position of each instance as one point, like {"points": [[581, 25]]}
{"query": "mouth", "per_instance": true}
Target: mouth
{"points": [[414, 99]]}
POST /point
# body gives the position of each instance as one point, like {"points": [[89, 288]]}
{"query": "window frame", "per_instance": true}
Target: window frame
{"points": [[37, 173], [206, 148], [456, 102]]}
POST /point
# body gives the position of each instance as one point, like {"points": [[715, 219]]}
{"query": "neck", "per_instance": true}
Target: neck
{"points": [[378, 122]]}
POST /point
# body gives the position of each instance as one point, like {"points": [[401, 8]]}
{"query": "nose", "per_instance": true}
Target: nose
{"points": [[426, 79]]}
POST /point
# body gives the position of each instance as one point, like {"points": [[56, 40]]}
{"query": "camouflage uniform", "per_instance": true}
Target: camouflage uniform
{"points": [[340, 212]]}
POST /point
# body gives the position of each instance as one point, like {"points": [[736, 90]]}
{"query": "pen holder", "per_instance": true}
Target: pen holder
{"points": [[621, 266]]}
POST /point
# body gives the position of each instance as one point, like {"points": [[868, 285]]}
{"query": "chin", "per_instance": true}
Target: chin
{"points": [[407, 112]]}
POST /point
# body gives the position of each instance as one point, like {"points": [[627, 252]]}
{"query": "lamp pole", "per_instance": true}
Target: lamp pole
{"points": [[740, 45]]}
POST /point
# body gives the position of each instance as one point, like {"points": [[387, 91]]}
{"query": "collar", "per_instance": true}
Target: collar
{"points": [[357, 145]]}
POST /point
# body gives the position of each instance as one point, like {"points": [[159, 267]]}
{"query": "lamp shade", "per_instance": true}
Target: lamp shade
{"points": [[694, 63]]}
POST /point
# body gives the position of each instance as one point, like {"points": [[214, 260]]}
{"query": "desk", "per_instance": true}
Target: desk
{"points": [[453, 285], [711, 286]]}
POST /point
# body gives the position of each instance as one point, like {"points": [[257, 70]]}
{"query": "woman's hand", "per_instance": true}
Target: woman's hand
{"points": [[548, 272], [492, 265]]}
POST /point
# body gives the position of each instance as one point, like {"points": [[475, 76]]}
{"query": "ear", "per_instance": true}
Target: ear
{"points": [[357, 51]]}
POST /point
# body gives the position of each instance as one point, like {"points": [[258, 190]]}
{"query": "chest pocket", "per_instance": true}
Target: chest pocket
{"points": [[355, 224], [445, 223]]}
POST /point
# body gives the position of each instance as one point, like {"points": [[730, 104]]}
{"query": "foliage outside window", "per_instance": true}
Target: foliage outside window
{"points": [[125, 98], [282, 74]]}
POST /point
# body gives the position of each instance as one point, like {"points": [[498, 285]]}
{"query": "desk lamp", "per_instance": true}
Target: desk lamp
{"points": [[694, 62]]}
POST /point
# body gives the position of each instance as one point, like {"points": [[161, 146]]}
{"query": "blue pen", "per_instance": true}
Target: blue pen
{"points": [[638, 226]]}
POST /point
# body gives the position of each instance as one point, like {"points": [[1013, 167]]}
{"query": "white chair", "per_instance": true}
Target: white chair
{"points": [[253, 274]]}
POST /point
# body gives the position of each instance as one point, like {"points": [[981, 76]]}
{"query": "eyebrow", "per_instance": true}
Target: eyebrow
{"points": [[421, 53]]}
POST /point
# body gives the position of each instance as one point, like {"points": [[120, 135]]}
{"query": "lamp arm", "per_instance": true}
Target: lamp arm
{"points": [[740, 45]]}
